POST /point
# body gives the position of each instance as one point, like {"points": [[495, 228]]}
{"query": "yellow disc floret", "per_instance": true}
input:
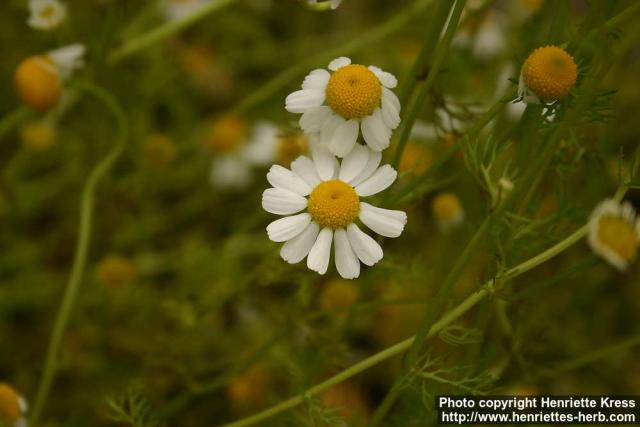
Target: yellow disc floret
{"points": [[550, 73], [446, 207], [290, 147], [353, 91], [334, 204], [227, 134], [38, 83], [9, 405], [619, 236]]}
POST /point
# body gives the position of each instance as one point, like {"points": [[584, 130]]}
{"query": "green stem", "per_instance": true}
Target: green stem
{"points": [[487, 289], [441, 51], [164, 31], [368, 38], [13, 119], [82, 248]]}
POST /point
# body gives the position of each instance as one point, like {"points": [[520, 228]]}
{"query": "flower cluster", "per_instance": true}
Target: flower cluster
{"points": [[321, 197]]}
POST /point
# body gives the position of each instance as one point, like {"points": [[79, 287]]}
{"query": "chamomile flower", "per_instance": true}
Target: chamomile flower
{"points": [[12, 407], [38, 135], [447, 210], [46, 15], [39, 79], [330, 193], [353, 99], [614, 233], [547, 75], [178, 9]]}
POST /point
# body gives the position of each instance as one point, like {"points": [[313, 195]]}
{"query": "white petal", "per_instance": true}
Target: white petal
{"points": [[324, 161], [313, 119], [317, 79], [318, 259], [339, 63], [391, 97], [354, 163], [390, 114], [287, 228], [372, 164], [302, 101], [230, 172], [365, 247], [329, 127], [387, 79], [375, 131], [305, 169], [282, 202], [260, 150], [281, 177], [387, 223], [381, 179], [344, 138], [347, 262], [296, 249]]}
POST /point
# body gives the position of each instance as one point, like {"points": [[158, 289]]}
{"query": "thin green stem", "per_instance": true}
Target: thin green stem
{"points": [[365, 39], [447, 319], [421, 96], [13, 119], [160, 33], [82, 249]]}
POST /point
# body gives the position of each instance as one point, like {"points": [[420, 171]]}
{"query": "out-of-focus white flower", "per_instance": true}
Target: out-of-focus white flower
{"points": [[68, 58], [13, 407], [332, 3], [178, 9], [614, 233], [46, 15], [329, 192], [486, 40], [340, 105]]}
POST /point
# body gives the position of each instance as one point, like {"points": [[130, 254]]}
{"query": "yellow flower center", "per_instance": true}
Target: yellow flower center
{"points": [[290, 147], [353, 91], [446, 207], [227, 134], [334, 204], [550, 73], [38, 83], [38, 135], [415, 158], [9, 405], [619, 236]]}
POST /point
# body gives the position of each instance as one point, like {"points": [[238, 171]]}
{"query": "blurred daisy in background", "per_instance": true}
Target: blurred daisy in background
{"points": [[547, 75], [46, 15], [447, 210], [237, 150], [39, 79], [614, 233], [38, 135], [12, 407], [178, 9], [331, 209], [484, 35], [340, 105]]}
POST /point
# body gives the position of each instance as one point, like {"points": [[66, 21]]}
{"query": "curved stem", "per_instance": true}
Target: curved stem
{"points": [[82, 248], [488, 288], [164, 31]]}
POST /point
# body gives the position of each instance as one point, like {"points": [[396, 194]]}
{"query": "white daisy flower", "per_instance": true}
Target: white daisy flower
{"points": [[13, 407], [178, 9], [46, 15], [68, 59], [329, 193], [339, 105], [614, 233]]}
